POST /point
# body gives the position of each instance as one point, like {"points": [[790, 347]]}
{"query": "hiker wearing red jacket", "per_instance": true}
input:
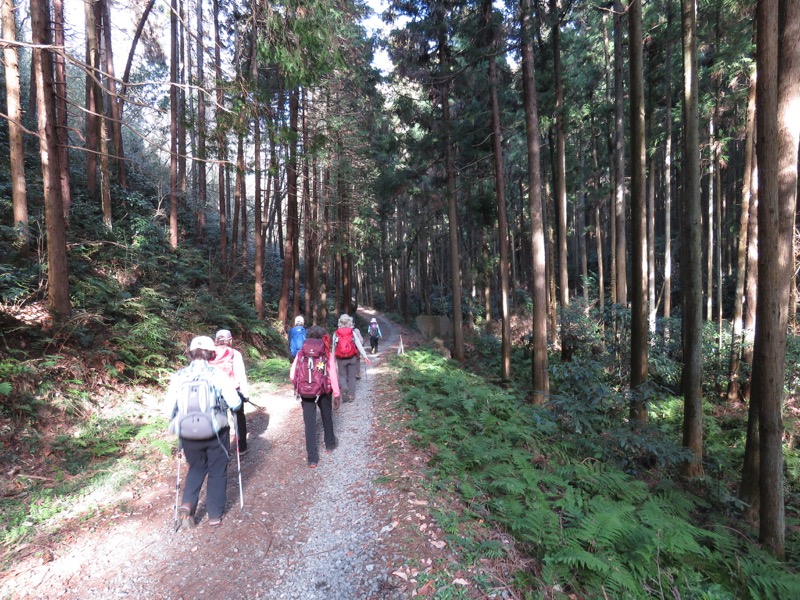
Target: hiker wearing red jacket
{"points": [[230, 361]]}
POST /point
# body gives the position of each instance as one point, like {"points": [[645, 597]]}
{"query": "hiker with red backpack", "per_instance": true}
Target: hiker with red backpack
{"points": [[230, 361], [347, 348], [316, 382]]}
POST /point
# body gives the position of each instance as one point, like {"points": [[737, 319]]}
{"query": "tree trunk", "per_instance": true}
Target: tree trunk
{"points": [[15, 142], [291, 212], [452, 201], [638, 409], [777, 94], [173, 125], [619, 161], [560, 173], [222, 152], [667, 294], [62, 128], [57, 273], [202, 156], [92, 120], [539, 373], [692, 253], [115, 121], [502, 218], [741, 264]]}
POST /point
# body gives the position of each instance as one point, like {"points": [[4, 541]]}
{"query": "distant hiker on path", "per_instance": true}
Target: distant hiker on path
{"points": [[347, 348], [374, 331], [196, 402], [297, 335], [316, 382], [230, 361]]}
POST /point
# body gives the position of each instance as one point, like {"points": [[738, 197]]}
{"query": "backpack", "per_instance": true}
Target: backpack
{"points": [[297, 335], [198, 413], [224, 361], [373, 330], [311, 379], [345, 346]]}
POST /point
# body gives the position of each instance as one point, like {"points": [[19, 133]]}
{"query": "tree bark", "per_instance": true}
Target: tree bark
{"points": [[291, 212], [500, 195], [452, 200], [62, 128], [619, 161], [741, 264], [16, 145], [692, 254], [638, 409], [57, 272], [115, 120], [173, 125], [560, 159], [539, 373], [777, 95]]}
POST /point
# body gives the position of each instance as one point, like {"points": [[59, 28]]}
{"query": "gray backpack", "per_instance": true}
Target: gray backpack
{"points": [[199, 413]]}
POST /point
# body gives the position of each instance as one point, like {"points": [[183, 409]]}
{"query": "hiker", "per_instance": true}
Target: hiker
{"points": [[347, 348], [316, 382], [374, 331], [230, 361], [206, 447], [297, 336]]}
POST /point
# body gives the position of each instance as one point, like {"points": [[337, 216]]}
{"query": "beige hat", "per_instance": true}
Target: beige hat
{"points": [[299, 321], [223, 334], [202, 342]]}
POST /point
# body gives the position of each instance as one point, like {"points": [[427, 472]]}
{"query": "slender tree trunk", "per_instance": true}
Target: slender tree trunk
{"points": [[308, 223], [668, 171], [57, 273], [452, 202], [619, 160], [692, 253], [62, 130], [560, 159], [222, 147], [291, 212], [502, 218], [92, 93], [15, 142], [741, 264], [777, 96], [173, 125], [539, 373], [638, 410], [115, 116], [202, 155]]}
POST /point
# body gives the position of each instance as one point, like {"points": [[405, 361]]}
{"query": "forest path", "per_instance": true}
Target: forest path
{"points": [[330, 532]]}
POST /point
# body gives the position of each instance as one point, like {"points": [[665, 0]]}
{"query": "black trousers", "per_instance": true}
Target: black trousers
{"points": [[310, 422]]}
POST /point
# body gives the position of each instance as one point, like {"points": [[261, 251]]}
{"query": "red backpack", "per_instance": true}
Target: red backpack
{"points": [[345, 346], [311, 379]]}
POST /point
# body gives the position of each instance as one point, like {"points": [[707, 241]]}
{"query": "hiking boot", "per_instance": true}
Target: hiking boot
{"points": [[242, 452], [185, 517], [312, 465], [214, 521]]}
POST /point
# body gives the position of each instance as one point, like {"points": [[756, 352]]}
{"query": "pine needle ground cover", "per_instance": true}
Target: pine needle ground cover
{"points": [[594, 529]]}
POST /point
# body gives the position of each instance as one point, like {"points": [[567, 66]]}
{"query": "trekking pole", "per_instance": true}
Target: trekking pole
{"points": [[177, 486], [238, 459]]}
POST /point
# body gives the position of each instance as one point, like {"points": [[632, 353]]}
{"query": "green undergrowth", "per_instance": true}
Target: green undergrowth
{"points": [[600, 510], [88, 466]]}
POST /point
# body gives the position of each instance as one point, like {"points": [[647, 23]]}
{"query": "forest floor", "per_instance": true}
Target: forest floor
{"points": [[128, 547]]}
